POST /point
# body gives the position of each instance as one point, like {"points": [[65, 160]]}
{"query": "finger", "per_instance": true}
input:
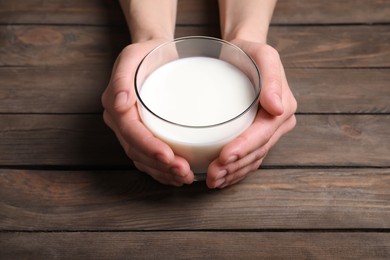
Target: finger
{"points": [[268, 60], [178, 172], [215, 174], [233, 182], [260, 133], [144, 146], [253, 137], [135, 133], [120, 94], [246, 160], [178, 166], [158, 175], [241, 174], [240, 168], [224, 173], [181, 167]]}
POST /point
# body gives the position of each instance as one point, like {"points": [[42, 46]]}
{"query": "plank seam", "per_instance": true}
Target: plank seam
{"points": [[113, 25], [101, 112], [132, 168], [265, 230]]}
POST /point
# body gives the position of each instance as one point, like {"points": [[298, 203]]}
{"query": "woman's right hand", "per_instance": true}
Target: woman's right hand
{"points": [[149, 154]]}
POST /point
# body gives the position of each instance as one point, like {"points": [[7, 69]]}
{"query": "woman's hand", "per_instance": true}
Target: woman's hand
{"points": [[275, 118], [148, 153]]}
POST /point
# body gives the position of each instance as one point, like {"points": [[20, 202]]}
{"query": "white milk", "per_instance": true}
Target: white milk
{"points": [[195, 93]]}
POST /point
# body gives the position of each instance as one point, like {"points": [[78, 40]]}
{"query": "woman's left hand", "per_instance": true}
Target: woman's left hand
{"points": [[274, 118]]}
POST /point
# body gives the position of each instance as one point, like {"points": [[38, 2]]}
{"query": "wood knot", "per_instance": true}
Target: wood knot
{"points": [[40, 37], [351, 131]]}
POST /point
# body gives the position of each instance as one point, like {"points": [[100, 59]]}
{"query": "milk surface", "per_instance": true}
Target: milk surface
{"points": [[199, 95]]}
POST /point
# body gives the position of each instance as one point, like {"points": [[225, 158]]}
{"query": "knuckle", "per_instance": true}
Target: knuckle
{"points": [[139, 166], [267, 135], [254, 166], [106, 118], [231, 168], [275, 83], [104, 98], [132, 155], [260, 153], [271, 51], [128, 49], [244, 139], [294, 105], [293, 121]]}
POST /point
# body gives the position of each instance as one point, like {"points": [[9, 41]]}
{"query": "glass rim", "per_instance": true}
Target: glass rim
{"points": [[176, 40]]}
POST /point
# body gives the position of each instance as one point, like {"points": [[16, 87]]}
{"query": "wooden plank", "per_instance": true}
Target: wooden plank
{"points": [[340, 90], [103, 12], [332, 46], [58, 140], [76, 12], [335, 140], [339, 12], [52, 90], [195, 245], [314, 47], [291, 199], [318, 140], [60, 45], [78, 90]]}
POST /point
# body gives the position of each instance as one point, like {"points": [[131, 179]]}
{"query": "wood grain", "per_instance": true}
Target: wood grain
{"points": [[67, 190], [318, 140], [335, 140], [193, 12], [128, 201], [332, 46], [78, 90], [195, 245], [76, 12], [58, 140], [308, 47], [340, 90], [60, 45], [52, 90], [338, 12]]}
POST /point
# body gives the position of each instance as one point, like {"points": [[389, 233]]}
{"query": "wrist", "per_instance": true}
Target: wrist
{"points": [[246, 33], [149, 19], [150, 36], [246, 19]]}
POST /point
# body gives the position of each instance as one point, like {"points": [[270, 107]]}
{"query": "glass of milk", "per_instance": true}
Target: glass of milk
{"points": [[197, 94]]}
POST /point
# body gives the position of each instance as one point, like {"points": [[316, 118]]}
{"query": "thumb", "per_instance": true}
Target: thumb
{"points": [[268, 60], [119, 96]]}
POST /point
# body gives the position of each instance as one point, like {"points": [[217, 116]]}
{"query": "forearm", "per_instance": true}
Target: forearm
{"points": [[246, 19], [150, 19]]}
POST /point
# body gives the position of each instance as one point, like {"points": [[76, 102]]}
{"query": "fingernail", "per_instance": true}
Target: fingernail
{"points": [[231, 159], [278, 102], [221, 174], [121, 99], [219, 182], [162, 158], [178, 178], [175, 171], [224, 185], [178, 184]]}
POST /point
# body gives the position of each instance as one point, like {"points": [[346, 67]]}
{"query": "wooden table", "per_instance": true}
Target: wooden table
{"points": [[67, 189]]}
